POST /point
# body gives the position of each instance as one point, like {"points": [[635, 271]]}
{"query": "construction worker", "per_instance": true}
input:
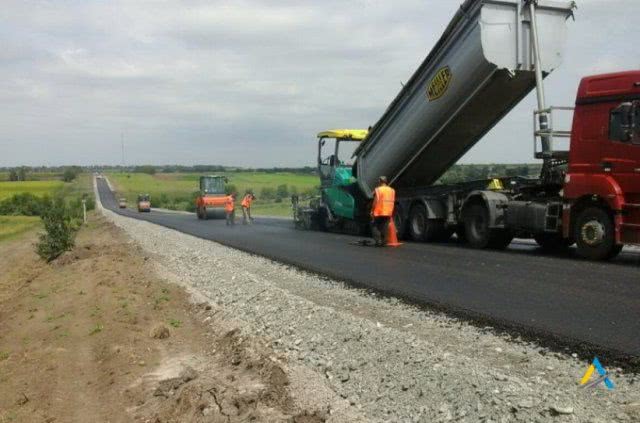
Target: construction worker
{"points": [[230, 209], [384, 198], [246, 207]]}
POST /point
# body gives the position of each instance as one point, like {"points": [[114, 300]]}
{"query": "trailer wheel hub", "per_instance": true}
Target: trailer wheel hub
{"points": [[593, 232]]}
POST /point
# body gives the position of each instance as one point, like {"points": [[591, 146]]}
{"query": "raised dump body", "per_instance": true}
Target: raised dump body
{"points": [[481, 67]]}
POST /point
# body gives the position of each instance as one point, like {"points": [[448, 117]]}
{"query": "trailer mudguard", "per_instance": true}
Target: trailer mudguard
{"points": [[496, 204]]}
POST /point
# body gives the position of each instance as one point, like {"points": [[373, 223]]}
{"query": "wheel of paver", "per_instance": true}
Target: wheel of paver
{"points": [[199, 213], [477, 230], [324, 223], [595, 234], [421, 228]]}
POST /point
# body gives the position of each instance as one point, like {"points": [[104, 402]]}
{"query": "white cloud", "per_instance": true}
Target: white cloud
{"points": [[241, 82]]}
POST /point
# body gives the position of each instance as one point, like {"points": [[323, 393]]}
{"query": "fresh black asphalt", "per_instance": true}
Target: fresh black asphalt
{"points": [[588, 305]]}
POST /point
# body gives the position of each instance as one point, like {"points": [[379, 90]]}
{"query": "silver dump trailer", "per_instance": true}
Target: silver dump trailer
{"points": [[481, 67]]}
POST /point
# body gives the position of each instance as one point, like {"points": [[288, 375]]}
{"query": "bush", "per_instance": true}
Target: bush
{"points": [[71, 173], [267, 193], [24, 204], [58, 236], [282, 191], [149, 170], [75, 207]]}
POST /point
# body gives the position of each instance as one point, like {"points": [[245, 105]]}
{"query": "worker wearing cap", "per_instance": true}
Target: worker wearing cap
{"points": [[384, 198], [246, 207], [230, 209]]}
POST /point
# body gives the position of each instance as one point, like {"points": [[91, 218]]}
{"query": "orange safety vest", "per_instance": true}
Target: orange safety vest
{"points": [[383, 201], [228, 204], [246, 201]]}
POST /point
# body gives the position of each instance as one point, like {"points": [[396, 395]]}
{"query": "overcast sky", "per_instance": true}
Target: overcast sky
{"points": [[245, 83]]}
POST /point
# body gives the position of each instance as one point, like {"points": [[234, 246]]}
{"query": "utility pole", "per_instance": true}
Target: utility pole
{"points": [[122, 142]]}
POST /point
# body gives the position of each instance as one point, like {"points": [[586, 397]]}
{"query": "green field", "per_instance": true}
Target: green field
{"points": [[176, 190], [39, 188], [12, 226], [35, 176]]}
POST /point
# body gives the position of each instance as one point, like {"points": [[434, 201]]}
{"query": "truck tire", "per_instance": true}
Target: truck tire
{"points": [[400, 222], [595, 234], [477, 230], [552, 242], [421, 228]]}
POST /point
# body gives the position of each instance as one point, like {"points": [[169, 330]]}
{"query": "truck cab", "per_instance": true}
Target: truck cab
{"points": [[602, 185], [211, 197]]}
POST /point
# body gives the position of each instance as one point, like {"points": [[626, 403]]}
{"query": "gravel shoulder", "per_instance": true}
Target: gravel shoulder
{"points": [[388, 361]]}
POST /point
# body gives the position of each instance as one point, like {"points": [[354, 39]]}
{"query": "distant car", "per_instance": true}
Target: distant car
{"points": [[144, 203], [122, 203]]}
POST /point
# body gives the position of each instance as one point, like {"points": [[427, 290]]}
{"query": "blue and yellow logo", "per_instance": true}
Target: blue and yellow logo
{"points": [[595, 365]]}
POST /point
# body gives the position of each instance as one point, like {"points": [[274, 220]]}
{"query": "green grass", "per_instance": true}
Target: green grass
{"points": [[34, 176], [38, 188], [14, 226], [96, 329], [179, 187], [175, 323], [81, 185]]}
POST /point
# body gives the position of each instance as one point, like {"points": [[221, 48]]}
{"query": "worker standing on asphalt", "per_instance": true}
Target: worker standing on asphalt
{"points": [[230, 209], [384, 198], [246, 208]]}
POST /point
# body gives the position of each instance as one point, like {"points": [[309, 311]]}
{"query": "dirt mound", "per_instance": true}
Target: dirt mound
{"points": [[242, 382], [94, 325]]}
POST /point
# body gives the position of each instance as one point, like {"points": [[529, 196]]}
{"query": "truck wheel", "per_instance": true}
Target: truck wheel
{"points": [[552, 242], [460, 234], [399, 221], [595, 234], [421, 228], [479, 234]]}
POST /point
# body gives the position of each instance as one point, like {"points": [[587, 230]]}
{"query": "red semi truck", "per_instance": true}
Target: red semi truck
{"points": [[588, 195], [601, 191]]}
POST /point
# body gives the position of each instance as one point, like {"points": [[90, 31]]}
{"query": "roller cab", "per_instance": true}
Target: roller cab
{"points": [[211, 198]]}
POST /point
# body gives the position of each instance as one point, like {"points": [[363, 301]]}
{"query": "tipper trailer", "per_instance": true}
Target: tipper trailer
{"points": [[492, 54]]}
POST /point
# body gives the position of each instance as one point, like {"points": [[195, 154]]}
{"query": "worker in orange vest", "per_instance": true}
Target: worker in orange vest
{"points": [[384, 198], [246, 207], [230, 209]]}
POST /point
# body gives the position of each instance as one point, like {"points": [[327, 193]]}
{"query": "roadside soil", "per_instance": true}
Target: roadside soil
{"points": [[96, 335]]}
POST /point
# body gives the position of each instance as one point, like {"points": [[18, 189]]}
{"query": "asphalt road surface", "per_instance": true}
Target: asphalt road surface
{"points": [[567, 301]]}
